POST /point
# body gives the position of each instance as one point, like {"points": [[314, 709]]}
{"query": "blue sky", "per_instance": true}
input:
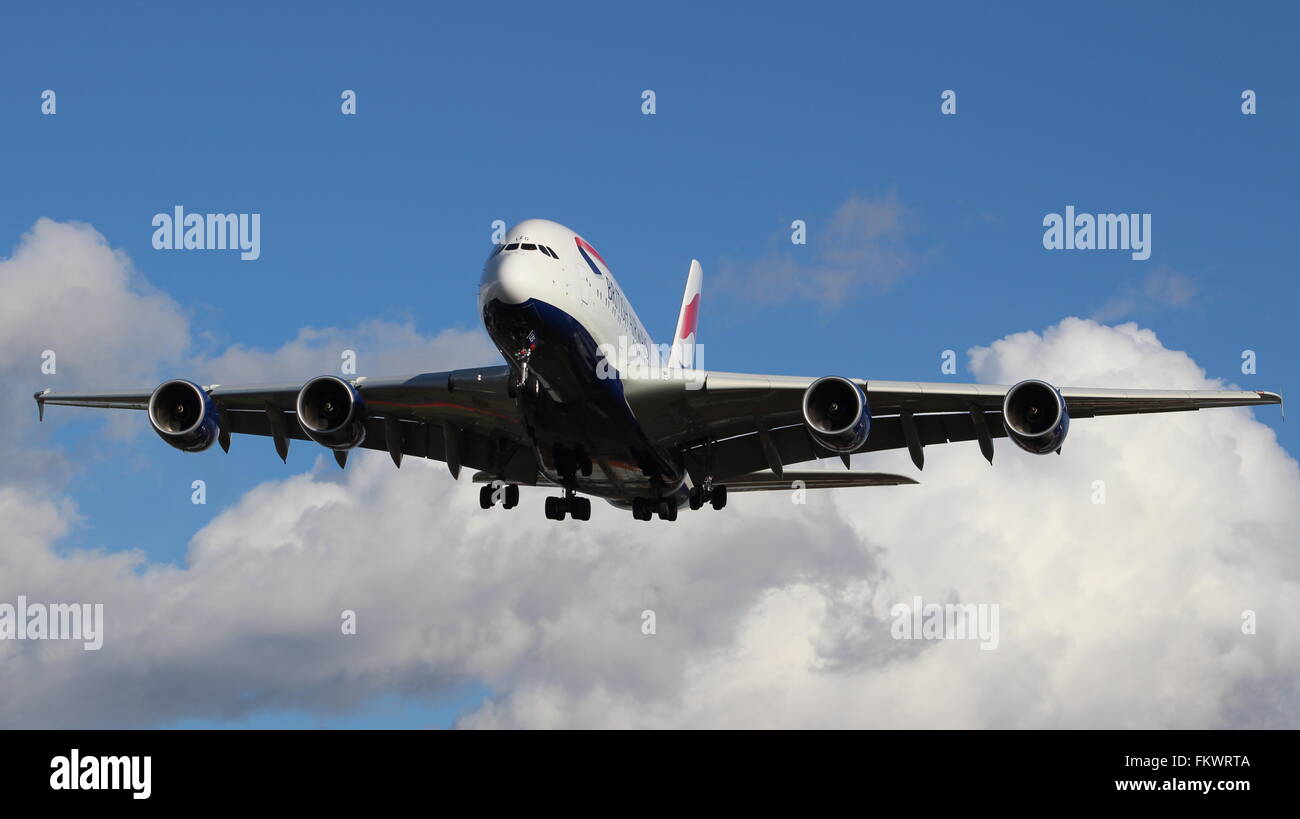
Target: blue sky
{"points": [[765, 113]]}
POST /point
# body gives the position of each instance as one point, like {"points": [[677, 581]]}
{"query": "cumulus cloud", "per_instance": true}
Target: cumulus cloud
{"points": [[75, 305], [864, 244], [1126, 613], [70, 295], [379, 347]]}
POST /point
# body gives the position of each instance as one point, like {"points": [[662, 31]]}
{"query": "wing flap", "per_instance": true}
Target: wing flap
{"points": [[812, 479], [743, 454]]}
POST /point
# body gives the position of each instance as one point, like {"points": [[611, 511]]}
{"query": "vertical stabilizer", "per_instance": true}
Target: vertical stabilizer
{"points": [[684, 337]]}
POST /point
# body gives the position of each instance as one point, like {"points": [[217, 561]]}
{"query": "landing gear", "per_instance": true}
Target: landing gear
{"points": [[645, 508], [570, 504], [717, 496], [521, 358], [487, 496]]}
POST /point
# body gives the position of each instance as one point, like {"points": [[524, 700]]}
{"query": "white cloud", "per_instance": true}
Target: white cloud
{"points": [[1159, 289], [1125, 614], [380, 347], [863, 244]]}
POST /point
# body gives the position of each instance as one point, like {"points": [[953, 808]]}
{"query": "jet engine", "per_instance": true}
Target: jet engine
{"points": [[331, 412], [836, 413], [183, 415], [1035, 416]]}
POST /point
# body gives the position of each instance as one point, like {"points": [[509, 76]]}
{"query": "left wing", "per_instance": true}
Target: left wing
{"points": [[735, 423]]}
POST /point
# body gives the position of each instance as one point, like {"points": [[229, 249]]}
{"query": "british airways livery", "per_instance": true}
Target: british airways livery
{"points": [[587, 405]]}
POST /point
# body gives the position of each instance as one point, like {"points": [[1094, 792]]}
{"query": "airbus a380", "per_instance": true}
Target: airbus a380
{"points": [[650, 434]]}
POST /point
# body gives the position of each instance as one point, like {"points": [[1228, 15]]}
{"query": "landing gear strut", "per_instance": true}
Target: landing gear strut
{"points": [[570, 504], [487, 496]]}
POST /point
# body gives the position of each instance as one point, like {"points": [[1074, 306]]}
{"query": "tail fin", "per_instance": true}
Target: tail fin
{"points": [[683, 352]]}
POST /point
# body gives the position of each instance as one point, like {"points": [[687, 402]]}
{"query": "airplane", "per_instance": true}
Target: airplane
{"points": [[586, 404]]}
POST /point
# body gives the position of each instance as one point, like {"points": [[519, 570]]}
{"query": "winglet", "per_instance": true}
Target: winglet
{"points": [[40, 403]]}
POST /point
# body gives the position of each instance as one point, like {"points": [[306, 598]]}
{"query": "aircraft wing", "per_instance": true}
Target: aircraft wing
{"points": [[756, 420], [461, 417]]}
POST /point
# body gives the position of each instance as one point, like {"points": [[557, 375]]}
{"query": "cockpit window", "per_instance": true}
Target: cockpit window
{"points": [[514, 246], [548, 251], [528, 246]]}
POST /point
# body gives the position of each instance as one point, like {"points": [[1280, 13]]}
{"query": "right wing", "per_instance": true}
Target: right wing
{"points": [[461, 417]]}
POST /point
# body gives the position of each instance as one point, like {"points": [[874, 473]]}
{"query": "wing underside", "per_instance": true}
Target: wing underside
{"points": [[731, 424], [732, 427], [461, 417]]}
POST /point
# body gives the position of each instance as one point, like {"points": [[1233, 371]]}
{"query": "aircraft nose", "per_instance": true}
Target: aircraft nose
{"points": [[512, 278]]}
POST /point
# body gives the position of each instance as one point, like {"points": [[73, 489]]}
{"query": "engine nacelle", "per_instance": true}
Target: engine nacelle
{"points": [[183, 415], [836, 413], [331, 412], [1035, 416]]}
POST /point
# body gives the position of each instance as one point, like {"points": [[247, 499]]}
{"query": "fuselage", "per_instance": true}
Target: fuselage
{"points": [[552, 316]]}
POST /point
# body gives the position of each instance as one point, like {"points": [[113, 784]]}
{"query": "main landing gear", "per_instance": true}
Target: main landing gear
{"points": [[715, 495], [570, 504], [644, 509], [488, 497]]}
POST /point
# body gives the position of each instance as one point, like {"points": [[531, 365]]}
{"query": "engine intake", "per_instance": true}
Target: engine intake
{"points": [[331, 412], [183, 415], [836, 413], [1035, 416]]}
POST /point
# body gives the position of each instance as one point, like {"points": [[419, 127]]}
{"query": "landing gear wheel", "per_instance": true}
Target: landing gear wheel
{"points": [[697, 497], [580, 508], [719, 497], [555, 508], [485, 497], [641, 509], [668, 510], [512, 496]]}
